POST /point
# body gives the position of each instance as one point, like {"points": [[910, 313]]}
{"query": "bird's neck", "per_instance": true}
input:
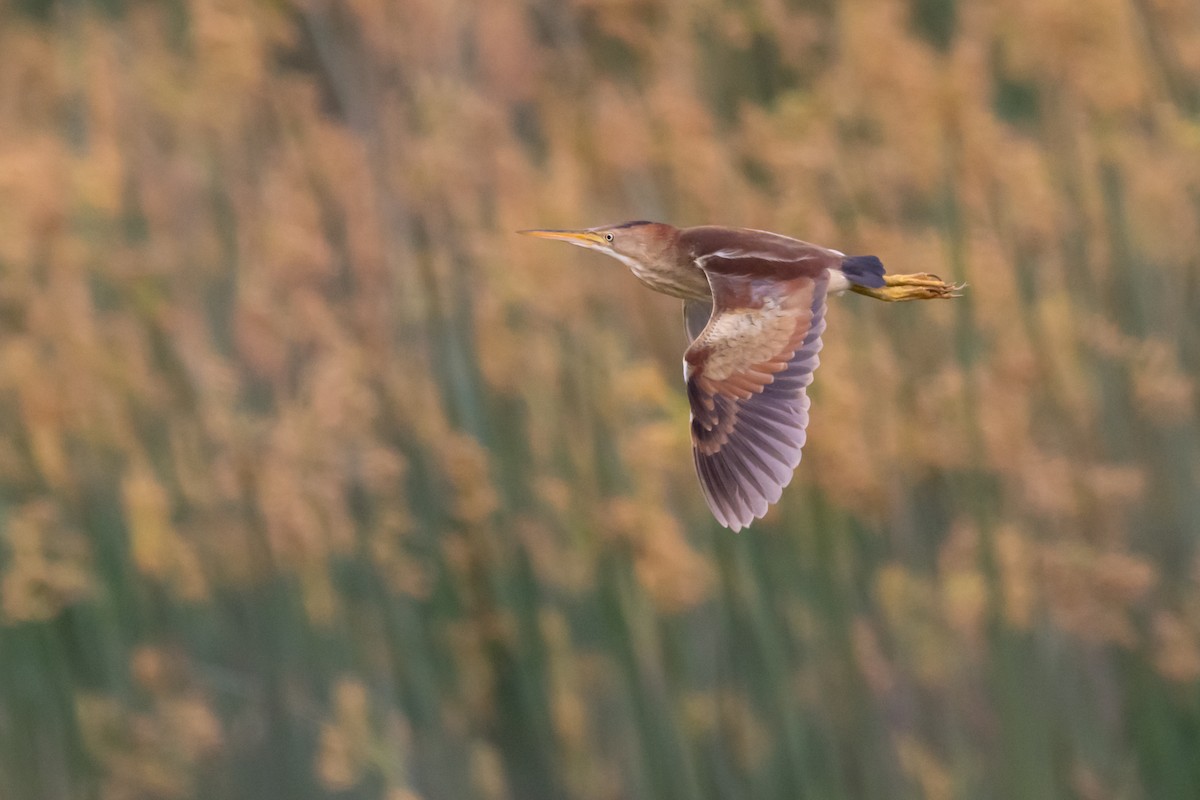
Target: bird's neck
{"points": [[670, 274]]}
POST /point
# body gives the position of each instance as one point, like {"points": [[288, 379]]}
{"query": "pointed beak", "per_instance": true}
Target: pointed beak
{"points": [[581, 238]]}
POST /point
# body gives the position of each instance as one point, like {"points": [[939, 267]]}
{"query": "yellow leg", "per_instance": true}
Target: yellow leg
{"points": [[921, 286]]}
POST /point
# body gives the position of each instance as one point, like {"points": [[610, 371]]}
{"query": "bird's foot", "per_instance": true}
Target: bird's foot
{"points": [[920, 286]]}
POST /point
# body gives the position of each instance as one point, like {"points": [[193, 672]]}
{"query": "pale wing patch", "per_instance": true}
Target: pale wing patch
{"points": [[744, 338]]}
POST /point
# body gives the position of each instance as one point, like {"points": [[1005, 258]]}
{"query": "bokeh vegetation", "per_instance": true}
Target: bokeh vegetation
{"points": [[315, 481]]}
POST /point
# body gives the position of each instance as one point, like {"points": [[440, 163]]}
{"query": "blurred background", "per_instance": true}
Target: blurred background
{"points": [[317, 482]]}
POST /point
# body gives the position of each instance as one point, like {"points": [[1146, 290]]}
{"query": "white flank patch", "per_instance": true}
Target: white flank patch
{"points": [[838, 282]]}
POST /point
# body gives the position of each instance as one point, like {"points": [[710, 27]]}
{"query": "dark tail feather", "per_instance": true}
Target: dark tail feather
{"points": [[864, 270]]}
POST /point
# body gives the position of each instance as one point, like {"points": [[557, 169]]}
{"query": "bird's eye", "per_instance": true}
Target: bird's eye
{"points": [[608, 237]]}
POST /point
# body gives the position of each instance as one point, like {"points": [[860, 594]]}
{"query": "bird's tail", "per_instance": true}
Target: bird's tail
{"points": [[864, 270]]}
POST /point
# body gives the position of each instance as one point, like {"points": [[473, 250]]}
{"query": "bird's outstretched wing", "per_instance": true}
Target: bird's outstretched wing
{"points": [[747, 372]]}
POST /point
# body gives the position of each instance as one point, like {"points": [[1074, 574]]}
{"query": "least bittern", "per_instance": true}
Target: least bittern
{"points": [[754, 310]]}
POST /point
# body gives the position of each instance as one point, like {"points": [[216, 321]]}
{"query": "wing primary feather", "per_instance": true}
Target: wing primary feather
{"points": [[746, 479], [766, 424], [718, 492], [779, 412], [712, 491], [729, 488], [749, 482], [768, 447], [774, 477]]}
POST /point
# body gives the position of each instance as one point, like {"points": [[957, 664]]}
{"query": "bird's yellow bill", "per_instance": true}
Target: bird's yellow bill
{"points": [[574, 237]]}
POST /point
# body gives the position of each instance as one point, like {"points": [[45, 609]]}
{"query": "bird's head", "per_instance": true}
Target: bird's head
{"points": [[638, 241]]}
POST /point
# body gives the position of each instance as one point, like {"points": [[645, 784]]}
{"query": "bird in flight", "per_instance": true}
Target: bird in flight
{"points": [[754, 311]]}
